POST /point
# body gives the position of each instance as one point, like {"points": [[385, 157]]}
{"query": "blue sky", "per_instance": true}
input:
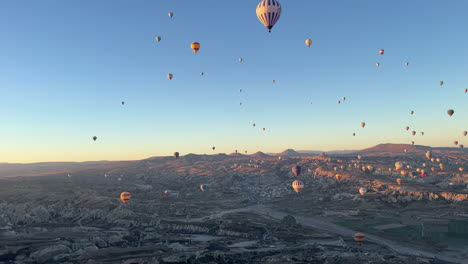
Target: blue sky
{"points": [[65, 66]]}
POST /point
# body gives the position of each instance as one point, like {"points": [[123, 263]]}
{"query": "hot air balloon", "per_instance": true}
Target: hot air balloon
{"points": [[158, 38], [403, 172], [412, 142], [344, 98], [170, 14], [405, 150], [422, 133], [308, 42], [441, 83], [169, 76], [359, 238], [264, 129], [253, 124], [407, 128], [437, 159], [466, 90], [362, 191], [338, 177], [450, 112], [363, 124], [354, 134], [398, 181], [455, 143], [406, 63], [398, 165], [94, 138], [460, 169], [428, 155], [125, 197], [123, 103], [195, 46], [377, 64], [176, 155], [241, 60], [297, 186], [411, 112], [464, 133], [273, 81], [359, 157], [213, 148], [203, 187], [202, 73], [381, 51], [424, 164], [441, 166], [461, 146], [413, 133], [338, 102], [268, 12], [296, 170], [433, 169]]}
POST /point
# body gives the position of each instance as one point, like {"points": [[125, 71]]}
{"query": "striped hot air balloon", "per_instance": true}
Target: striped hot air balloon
{"points": [[125, 197], [195, 46], [296, 170], [268, 12], [297, 186], [359, 238]]}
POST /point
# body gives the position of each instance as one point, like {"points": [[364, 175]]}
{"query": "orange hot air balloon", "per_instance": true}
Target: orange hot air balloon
{"points": [[403, 172], [297, 186], [359, 238], [433, 169], [398, 181], [455, 143], [195, 46], [169, 76], [460, 169], [338, 177], [125, 197]]}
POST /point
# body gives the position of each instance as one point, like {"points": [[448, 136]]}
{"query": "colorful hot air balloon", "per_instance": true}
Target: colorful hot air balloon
{"points": [[268, 12], [338, 177], [359, 238], [450, 112], [176, 155], [398, 165], [125, 197], [170, 14], [437, 159], [296, 170], [381, 51], [398, 181], [158, 38], [297, 186], [362, 191], [363, 124], [308, 42], [94, 138], [460, 169], [203, 187], [195, 46], [169, 76]]}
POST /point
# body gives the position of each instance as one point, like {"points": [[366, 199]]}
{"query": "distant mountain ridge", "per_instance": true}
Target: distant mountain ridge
{"points": [[398, 149]]}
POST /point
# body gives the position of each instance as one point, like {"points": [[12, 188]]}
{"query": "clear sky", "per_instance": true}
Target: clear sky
{"points": [[65, 66]]}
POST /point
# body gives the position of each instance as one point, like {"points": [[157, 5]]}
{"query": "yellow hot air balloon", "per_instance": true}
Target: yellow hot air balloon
{"points": [[398, 165], [338, 177], [158, 38], [268, 12], [169, 76], [308, 42], [398, 181], [195, 46], [297, 186], [125, 197]]}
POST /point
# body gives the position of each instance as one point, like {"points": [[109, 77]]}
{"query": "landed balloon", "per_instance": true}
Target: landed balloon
{"points": [[176, 155], [296, 170], [125, 197], [195, 46], [308, 42], [450, 112], [268, 12], [297, 185], [359, 157], [359, 238]]}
